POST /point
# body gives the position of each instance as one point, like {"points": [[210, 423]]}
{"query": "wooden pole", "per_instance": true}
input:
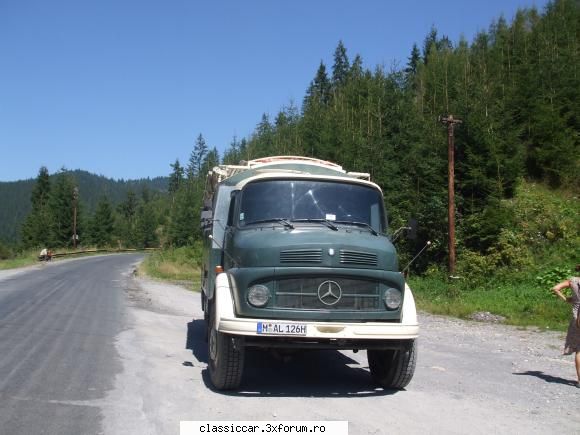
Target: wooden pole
{"points": [[451, 189], [75, 200], [450, 122]]}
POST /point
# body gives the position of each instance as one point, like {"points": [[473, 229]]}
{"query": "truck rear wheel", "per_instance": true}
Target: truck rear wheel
{"points": [[393, 368], [226, 362]]}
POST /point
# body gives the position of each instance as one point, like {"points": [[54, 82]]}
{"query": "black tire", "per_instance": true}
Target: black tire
{"points": [[225, 361], [393, 369]]}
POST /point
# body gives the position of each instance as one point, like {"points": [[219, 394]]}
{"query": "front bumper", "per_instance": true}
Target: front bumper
{"points": [[228, 323], [325, 330]]}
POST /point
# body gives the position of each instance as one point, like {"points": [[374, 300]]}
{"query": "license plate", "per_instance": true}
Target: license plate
{"points": [[275, 328]]}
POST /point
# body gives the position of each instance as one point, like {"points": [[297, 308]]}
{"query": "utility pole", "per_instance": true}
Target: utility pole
{"points": [[75, 201], [451, 122]]}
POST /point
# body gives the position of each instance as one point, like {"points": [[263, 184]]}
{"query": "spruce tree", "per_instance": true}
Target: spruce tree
{"points": [[211, 159], [36, 230], [102, 224], [176, 177], [429, 44], [196, 158], [127, 217], [319, 89], [62, 205], [184, 223], [412, 66], [356, 69], [146, 226], [231, 155], [341, 66], [264, 136]]}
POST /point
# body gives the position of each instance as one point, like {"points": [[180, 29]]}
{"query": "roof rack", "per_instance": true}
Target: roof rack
{"points": [[256, 163], [222, 172], [292, 159]]}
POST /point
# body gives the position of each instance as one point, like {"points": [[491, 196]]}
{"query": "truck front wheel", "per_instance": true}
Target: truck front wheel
{"points": [[393, 368], [226, 361]]}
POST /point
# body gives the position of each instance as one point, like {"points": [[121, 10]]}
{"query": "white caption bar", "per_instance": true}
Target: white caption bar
{"points": [[263, 427]]}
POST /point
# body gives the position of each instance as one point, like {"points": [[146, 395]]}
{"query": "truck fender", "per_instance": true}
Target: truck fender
{"points": [[409, 314], [223, 299]]}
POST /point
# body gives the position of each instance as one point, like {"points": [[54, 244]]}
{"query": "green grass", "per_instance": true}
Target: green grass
{"points": [[24, 259], [177, 265], [522, 302], [536, 249]]}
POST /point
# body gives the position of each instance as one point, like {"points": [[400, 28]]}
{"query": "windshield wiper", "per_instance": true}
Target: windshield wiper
{"points": [[359, 224], [283, 221], [322, 221]]}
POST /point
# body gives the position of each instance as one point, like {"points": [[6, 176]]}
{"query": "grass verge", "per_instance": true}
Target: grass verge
{"points": [[522, 303], [25, 259], [182, 265], [535, 247]]}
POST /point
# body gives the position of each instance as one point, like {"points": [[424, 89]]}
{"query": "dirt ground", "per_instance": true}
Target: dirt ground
{"points": [[470, 377]]}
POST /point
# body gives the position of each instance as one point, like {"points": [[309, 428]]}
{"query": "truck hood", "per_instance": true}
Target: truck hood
{"points": [[308, 246]]}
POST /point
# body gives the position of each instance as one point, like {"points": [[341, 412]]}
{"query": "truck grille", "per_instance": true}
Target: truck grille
{"points": [[358, 258], [301, 256], [358, 295]]}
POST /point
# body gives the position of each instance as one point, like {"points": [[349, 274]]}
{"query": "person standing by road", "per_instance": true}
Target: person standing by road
{"points": [[572, 344]]}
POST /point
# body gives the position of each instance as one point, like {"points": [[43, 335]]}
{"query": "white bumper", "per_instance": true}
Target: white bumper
{"points": [[228, 323]]}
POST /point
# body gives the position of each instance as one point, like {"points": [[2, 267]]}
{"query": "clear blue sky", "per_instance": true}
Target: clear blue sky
{"points": [[122, 88]]}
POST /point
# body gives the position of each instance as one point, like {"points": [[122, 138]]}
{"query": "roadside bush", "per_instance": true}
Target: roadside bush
{"points": [[534, 247], [481, 231], [5, 252], [180, 264], [553, 276], [511, 251], [475, 266], [543, 217]]}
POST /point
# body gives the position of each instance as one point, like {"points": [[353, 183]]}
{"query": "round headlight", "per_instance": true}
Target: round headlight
{"points": [[392, 298], [258, 295]]}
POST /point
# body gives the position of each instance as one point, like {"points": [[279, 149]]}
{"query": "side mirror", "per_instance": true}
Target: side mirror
{"points": [[410, 229]]}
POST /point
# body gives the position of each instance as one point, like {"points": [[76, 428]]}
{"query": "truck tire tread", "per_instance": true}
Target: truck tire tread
{"points": [[227, 373], [393, 369]]}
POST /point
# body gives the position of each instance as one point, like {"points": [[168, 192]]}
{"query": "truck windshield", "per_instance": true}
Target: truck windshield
{"points": [[296, 200]]}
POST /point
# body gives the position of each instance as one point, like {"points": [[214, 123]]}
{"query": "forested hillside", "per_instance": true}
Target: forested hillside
{"points": [[15, 197], [14, 206], [516, 87]]}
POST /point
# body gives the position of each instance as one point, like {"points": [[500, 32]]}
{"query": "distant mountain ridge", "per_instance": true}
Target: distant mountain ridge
{"points": [[15, 196]]}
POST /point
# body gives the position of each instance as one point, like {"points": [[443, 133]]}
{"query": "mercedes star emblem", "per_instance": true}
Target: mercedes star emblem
{"points": [[329, 292]]}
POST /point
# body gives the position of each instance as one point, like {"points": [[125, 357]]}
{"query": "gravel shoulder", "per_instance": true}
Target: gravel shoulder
{"points": [[471, 377]]}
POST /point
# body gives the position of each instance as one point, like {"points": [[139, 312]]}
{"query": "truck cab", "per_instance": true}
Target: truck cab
{"points": [[297, 256]]}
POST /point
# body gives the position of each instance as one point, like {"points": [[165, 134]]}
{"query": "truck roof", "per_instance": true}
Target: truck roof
{"points": [[232, 175], [236, 176]]}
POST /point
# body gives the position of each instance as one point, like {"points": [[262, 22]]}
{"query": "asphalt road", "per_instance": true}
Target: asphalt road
{"points": [[86, 348], [58, 323]]}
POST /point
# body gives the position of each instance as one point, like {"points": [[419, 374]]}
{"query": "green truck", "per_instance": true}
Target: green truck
{"points": [[297, 256]]}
